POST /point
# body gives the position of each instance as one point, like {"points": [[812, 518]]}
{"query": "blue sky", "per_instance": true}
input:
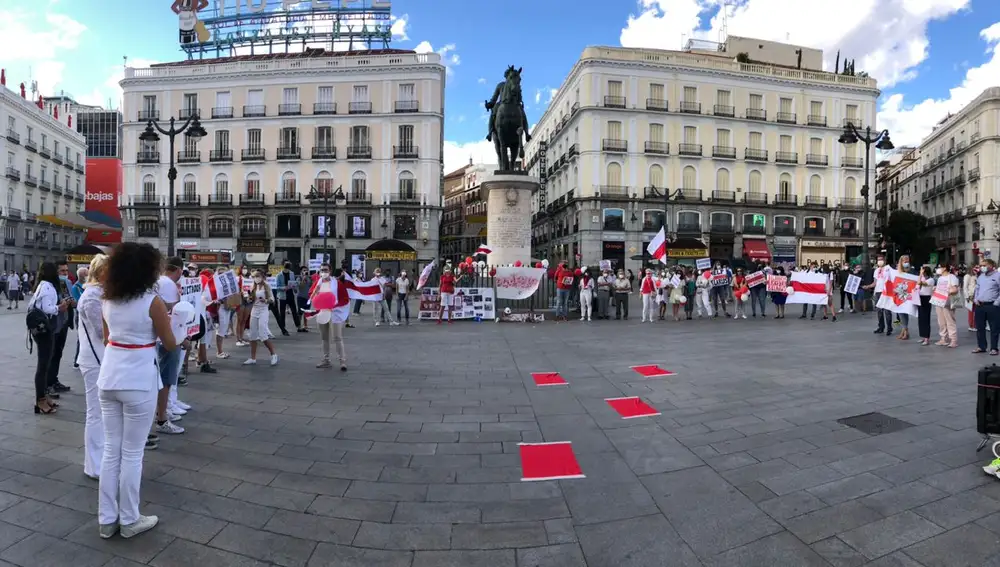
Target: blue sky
{"points": [[930, 58]]}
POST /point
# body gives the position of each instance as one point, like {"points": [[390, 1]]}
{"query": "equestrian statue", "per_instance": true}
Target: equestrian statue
{"points": [[507, 120]]}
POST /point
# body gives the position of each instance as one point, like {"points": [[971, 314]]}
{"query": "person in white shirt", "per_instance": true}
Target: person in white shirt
{"points": [[88, 358], [169, 359], [46, 300], [333, 308], [135, 319], [402, 292], [947, 284], [586, 295], [381, 310], [260, 316], [13, 290]]}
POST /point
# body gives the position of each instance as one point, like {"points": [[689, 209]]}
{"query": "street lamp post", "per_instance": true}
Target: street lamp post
{"points": [[881, 141], [325, 196], [193, 129]]}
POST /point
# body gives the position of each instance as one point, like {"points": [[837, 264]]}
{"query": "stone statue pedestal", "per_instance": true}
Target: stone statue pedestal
{"points": [[508, 221]]}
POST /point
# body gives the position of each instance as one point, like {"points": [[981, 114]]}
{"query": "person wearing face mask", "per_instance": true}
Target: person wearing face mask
{"points": [[881, 277], [812, 268], [605, 285], [969, 287], [722, 285], [260, 316], [586, 295], [987, 305], [287, 286], [647, 288], [402, 293], [329, 297], [381, 310], [947, 285], [623, 288], [905, 310], [925, 288], [302, 296], [842, 274], [65, 321], [703, 300]]}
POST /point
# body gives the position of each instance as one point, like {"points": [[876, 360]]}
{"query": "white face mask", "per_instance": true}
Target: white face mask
{"points": [[324, 274], [244, 272], [402, 275], [881, 263], [939, 271]]}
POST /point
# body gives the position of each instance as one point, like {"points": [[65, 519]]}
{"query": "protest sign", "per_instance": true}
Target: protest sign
{"points": [[853, 282], [703, 263], [755, 279], [809, 288], [720, 280], [466, 303], [517, 283], [225, 285], [777, 283], [940, 296], [191, 292]]}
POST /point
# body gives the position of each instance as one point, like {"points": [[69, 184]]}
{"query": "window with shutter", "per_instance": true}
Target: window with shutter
{"points": [[614, 174], [756, 141], [785, 105], [723, 98], [785, 143], [690, 94], [754, 186], [614, 130], [816, 108], [656, 176], [656, 132], [757, 101], [722, 138], [815, 186], [614, 88], [690, 135], [815, 146], [656, 92], [689, 178], [722, 179]]}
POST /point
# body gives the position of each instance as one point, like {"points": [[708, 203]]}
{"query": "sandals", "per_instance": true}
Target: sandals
{"points": [[978, 351]]}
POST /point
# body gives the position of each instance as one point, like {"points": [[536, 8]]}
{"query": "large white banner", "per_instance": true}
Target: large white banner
{"points": [[518, 283], [466, 303]]}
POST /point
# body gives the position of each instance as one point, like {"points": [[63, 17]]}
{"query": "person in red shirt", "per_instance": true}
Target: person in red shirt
{"points": [[447, 294], [647, 288], [564, 283]]}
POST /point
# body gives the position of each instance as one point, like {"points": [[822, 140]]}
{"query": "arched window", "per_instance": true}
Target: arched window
{"points": [[407, 186], [613, 176], [148, 187], [253, 186], [850, 188], [784, 225], [785, 189], [754, 223], [849, 227], [721, 221], [614, 219], [722, 179], [189, 227], [688, 221], [653, 219], [815, 186], [253, 226], [359, 186], [189, 188], [689, 179], [754, 185], [815, 226], [288, 185], [324, 183], [222, 186], [656, 176]]}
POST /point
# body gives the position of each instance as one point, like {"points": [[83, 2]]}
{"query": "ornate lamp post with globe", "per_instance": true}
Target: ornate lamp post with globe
{"points": [[881, 141]]}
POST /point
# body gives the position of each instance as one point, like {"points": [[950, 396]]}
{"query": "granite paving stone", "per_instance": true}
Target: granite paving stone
{"points": [[407, 462]]}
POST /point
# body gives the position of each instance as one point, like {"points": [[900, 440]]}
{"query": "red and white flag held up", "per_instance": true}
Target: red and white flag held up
{"points": [[484, 249], [809, 288], [658, 247], [365, 291]]}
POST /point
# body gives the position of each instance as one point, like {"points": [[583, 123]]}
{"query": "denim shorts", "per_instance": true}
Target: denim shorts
{"points": [[170, 364]]}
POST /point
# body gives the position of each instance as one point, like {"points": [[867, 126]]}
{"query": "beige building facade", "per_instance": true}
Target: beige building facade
{"points": [[364, 129], [724, 152]]}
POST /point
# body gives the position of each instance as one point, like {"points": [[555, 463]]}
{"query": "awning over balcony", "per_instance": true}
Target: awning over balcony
{"points": [[756, 249], [391, 250]]}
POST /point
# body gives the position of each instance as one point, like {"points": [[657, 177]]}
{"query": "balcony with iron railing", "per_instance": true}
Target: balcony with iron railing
{"points": [[189, 232], [289, 109], [185, 113], [786, 118], [288, 153], [13, 137], [958, 180], [756, 114], [724, 110], [689, 228], [44, 184], [58, 158], [13, 173], [751, 154], [855, 121], [222, 112], [657, 104], [79, 168], [786, 157], [324, 152], [57, 189], [689, 149], [287, 197], [688, 107], [406, 151], [614, 145], [188, 199], [725, 152], [359, 196], [30, 145], [613, 190], [753, 228], [658, 148], [149, 114], [220, 231], [253, 154], [146, 199], [147, 156], [189, 156], [816, 120], [359, 108], [220, 155], [359, 152], [614, 101], [816, 201], [755, 198], [254, 111], [817, 159], [572, 152], [30, 180], [254, 199], [324, 108], [853, 203], [68, 164], [850, 161], [408, 197], [723, 195], [974, 174], [220, 198], [786, 199], [406, 106], [687, 194]]}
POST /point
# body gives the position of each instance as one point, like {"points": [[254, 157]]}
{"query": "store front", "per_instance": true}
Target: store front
{"points": [[785, 251], [824, 251], [615, 252], [756, 250], [207, 259], [291, 254], [686, 251], [391, 254]]}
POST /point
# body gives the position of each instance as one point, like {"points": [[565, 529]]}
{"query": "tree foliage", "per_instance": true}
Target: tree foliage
{"points": [[907, 230]]}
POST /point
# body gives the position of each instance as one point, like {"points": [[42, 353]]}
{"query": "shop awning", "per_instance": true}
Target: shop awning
{"points": [[79, 221], [391, 250], [686, 248], [756, 249]]}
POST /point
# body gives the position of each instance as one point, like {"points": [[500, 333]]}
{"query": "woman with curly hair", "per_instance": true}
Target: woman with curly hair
{"points": [[135, 318]]}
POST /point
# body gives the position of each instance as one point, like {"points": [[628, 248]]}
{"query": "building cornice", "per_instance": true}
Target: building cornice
{"points": [[40, 118], [992, 94], [432, 70]]}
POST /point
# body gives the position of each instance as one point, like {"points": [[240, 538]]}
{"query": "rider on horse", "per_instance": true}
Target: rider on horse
{"points": [[491, 105]]}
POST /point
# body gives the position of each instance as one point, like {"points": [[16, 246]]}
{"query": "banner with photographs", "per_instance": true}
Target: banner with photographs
{"points": [[467, 303]]}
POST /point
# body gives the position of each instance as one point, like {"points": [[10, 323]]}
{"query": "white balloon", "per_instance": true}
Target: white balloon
{"points": [[790, 290], [323, 317], [745, 297], [683, 299], [545, 263]]}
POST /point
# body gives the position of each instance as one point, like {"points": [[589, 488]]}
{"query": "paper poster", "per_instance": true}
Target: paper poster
{"points": [[191, 292], [605, 265], [467, 303], [777, 283], [720, 280], [273, 282], [940, 296], [517, 283], [903, 288], [755, 279], [853, 282], [225, 284], [703, 263]]}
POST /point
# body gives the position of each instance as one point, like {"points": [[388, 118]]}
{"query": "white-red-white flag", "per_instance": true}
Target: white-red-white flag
{"points": [[484, 249], [658, 247], [425, 274], [809, 288], [365, 291]]}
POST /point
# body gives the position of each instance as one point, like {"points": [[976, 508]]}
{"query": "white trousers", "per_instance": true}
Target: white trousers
{"points": [[648, 306], [260, 319], [93, 429], [225, 320], [586, 303], [704, 302], [127, 415]]}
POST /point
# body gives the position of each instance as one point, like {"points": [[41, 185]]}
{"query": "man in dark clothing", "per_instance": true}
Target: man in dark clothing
{"points": [[64, 322], [285, 294], [842, 275]]}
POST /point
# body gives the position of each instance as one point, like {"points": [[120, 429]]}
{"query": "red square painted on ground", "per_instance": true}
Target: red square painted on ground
{"points": [[652, 371], [548, 379], [549, 461], [632, 407]]}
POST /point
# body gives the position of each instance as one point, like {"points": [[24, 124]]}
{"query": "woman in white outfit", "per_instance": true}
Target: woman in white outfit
{"points": [[586, 295], [134, 318], [260, 318], [89, 359]]}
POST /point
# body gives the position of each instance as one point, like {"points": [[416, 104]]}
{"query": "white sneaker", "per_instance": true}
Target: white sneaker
{"points": [[840, 311], [171, 417], [108, 531], [588, 319], [582, 318], [274, 360], [744, 315], [378, 324], [736, 316], [643, 320], [176, 410], [393, 323], [168, 428], [182, 405], [143, 524], [249, 362]]}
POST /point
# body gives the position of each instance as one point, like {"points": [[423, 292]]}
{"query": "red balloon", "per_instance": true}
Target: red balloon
{"points": [[493, 272], [578, 272], [517, 264], [538, 264], [468, 259]]}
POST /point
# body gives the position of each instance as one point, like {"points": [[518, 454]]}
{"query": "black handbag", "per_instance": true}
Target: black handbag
{"points": [[38, 322]]}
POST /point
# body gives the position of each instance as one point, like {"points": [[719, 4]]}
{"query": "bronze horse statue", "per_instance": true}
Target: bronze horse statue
{"points": [[508, 121]]}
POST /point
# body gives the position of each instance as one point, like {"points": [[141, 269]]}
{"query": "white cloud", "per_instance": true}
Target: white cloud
{"points": [[481, 80], [887, 37], [457, 155], [32, 44], [399, 27], [909, 124], [449, 57], [547, 93], [110, 89]]}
